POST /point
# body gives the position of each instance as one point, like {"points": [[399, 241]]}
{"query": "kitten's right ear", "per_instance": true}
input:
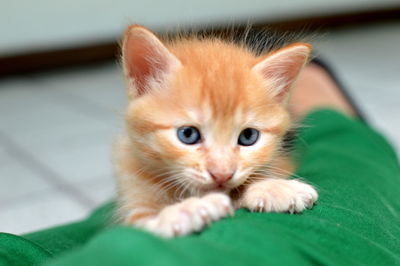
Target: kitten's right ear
{"points": [[281, 68], [146, 61]]}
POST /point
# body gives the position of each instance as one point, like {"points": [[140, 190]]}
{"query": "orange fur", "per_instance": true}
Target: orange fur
{"points": [[212, 85]]}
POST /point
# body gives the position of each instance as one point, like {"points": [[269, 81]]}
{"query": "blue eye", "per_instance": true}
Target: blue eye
{"points": [[248, 137], [188, 135]]}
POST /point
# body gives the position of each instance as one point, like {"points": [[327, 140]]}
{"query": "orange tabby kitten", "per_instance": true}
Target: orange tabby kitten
{"points": [[205, 123]]}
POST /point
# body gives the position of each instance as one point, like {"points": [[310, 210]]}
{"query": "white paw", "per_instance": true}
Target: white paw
{"points": [[279, 195], [190, 215]]}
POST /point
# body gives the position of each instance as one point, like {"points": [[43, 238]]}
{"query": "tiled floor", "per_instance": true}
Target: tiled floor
{"points": [[56, 129], [55, 137]]}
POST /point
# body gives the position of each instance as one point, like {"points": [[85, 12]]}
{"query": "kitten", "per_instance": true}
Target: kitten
{"points": [[204, 129]]}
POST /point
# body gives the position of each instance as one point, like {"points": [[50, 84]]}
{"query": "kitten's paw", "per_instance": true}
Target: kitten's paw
{"points": [[190, 215], [279, 195]]}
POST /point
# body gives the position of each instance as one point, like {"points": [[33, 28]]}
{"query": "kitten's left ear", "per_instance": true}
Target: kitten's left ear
{"points": [[146, 61], [281, 68]]}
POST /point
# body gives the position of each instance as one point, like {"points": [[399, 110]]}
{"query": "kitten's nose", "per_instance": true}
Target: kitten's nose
{"points": [[221, 177]]}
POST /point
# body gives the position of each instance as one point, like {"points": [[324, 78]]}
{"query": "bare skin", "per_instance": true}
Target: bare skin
{"points": [[314, 89]]}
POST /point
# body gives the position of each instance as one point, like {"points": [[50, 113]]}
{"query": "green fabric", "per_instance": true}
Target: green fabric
{"points": [[355, 222]]}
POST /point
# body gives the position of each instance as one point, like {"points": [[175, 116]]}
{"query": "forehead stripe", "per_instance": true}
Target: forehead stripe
{"points": [[272, 130], [161, 126]]}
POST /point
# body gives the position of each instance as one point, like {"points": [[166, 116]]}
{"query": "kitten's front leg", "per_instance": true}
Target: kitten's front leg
{"points": [[190, 215], [278, 195]]}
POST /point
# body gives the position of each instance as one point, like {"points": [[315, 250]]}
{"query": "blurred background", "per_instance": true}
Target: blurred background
{"points": [[62, 94]]}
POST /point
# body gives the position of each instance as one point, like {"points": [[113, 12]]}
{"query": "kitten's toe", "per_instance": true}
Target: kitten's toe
{"points": [[260, 205], [279, 195], [219, 205], [176, 229], [190, 215], [292, 207], [306, 195], [204, 214]]}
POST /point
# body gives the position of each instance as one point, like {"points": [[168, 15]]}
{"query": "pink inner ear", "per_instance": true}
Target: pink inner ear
{"points": [[281, 68], [285, 76], [143, 61]]}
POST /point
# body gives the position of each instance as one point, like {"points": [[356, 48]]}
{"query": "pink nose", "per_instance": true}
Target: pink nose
{"points": [[221, 177]]}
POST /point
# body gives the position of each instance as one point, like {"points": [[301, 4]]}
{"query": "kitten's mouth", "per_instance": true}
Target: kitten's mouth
{"points": [[216, 188]]}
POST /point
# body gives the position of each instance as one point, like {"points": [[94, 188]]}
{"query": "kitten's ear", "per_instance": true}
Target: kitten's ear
{"points": [[281, 68], [146, 61]]}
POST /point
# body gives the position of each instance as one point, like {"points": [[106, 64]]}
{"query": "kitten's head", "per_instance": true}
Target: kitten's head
{"points": [[205, 114]]}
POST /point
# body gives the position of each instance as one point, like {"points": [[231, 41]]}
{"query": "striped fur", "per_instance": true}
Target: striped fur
{"points": [[217, 86]]}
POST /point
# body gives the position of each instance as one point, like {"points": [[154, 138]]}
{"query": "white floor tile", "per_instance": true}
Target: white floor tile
{"points": [[80, 158], [99, 190], [17, 181], [3, 155], [38, 213], [103, 85], [38, 123]]}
